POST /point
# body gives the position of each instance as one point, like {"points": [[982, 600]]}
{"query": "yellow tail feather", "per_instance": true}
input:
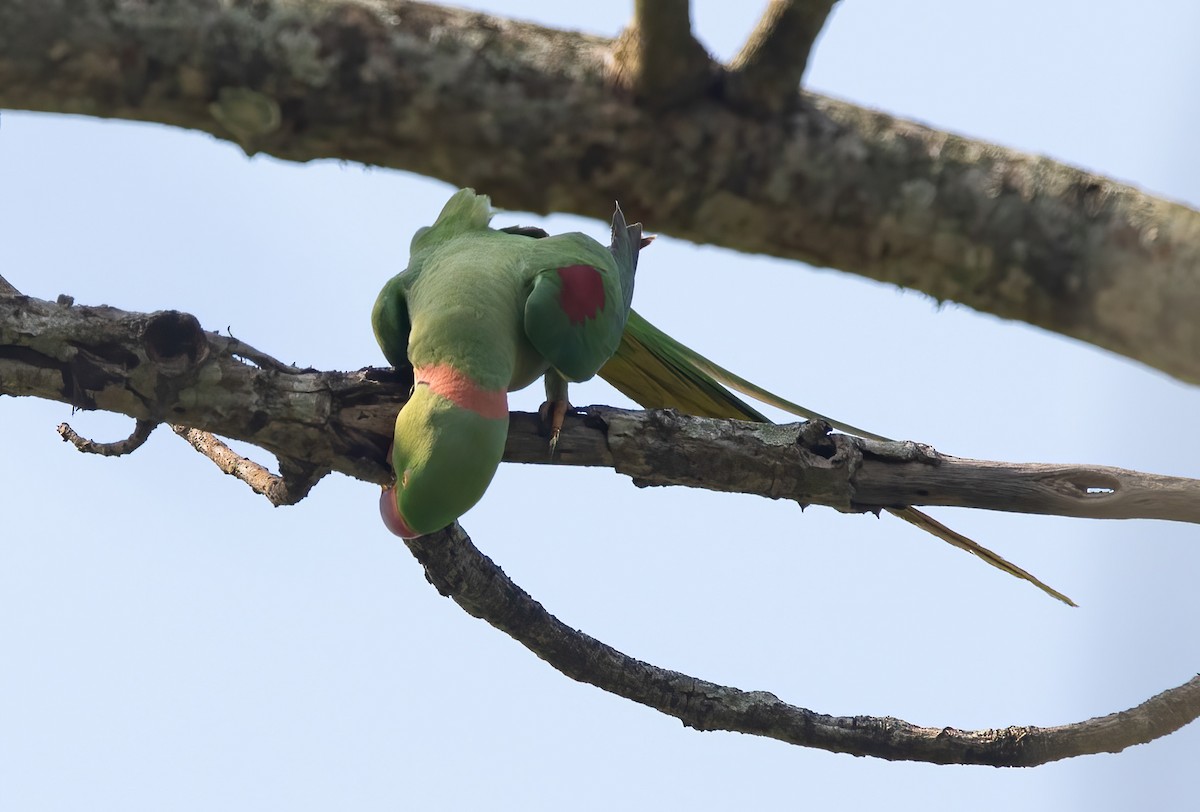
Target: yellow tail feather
{"points": [[658, 372]]}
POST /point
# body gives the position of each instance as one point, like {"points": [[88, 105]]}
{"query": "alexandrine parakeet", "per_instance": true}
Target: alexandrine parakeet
{"points": [[480, 312]]}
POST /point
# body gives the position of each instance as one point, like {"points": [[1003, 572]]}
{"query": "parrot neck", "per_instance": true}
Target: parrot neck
{"points": [[458, 388]]}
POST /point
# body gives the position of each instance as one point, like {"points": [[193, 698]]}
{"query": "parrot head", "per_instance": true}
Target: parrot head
{"points": [[434, 489]]}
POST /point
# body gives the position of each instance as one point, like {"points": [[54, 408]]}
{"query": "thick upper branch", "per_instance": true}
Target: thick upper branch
{"points": [[533, 117]]}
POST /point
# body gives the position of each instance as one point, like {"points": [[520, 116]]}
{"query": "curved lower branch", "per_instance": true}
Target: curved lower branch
{"points": [[460, 571], [537, 123]]}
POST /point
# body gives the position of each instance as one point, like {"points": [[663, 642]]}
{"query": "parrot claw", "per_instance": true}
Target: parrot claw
{"points": [[552, 414]]}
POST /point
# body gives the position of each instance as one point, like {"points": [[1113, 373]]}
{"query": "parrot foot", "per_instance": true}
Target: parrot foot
{"points": [[552, 414]]}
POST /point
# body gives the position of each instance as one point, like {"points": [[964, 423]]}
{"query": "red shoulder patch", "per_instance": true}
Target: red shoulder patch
{"points": [[582, 294]]}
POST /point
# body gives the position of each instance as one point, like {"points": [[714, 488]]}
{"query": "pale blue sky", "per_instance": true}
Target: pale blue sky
{"points": [[171, 641]]}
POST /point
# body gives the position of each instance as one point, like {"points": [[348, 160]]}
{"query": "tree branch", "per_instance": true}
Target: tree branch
{"points": [[459, 571], [162, 367], [537, 123], [852, 474], [658, 59], [151, 366], [765, 76], [141, 433], [289, 487]]}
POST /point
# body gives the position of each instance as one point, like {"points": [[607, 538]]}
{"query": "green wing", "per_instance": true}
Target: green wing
{"points": [[578, 305], [573, 317], [658, 372], [389, 320]]}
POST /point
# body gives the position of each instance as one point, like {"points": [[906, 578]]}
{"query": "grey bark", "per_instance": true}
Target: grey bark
{"points": [[164, 367], [547, 120], [460, 571], [852, 474]]}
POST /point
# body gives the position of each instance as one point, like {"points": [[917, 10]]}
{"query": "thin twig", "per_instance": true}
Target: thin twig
{"points": [[460, 571], [237, 348], [658, 58], [141, 432], [765, 75], [289, 488]]}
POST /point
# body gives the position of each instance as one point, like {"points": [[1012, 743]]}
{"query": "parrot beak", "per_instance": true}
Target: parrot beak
{"points": [[392, 520]]}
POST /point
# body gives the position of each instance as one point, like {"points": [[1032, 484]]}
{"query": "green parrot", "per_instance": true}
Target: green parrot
{"points": [[480, 312]]}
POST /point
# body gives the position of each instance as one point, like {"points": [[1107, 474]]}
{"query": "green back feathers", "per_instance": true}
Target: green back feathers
{"points": [[465, 211]]}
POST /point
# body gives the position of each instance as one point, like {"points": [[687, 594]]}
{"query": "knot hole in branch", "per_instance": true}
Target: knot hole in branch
{"points": [[814, 436], [174, 341], [1091, 485]]}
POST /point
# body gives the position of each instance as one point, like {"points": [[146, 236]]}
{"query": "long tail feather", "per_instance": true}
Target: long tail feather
{"points": [[658, 372], [740, 384], [933, 526]]}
